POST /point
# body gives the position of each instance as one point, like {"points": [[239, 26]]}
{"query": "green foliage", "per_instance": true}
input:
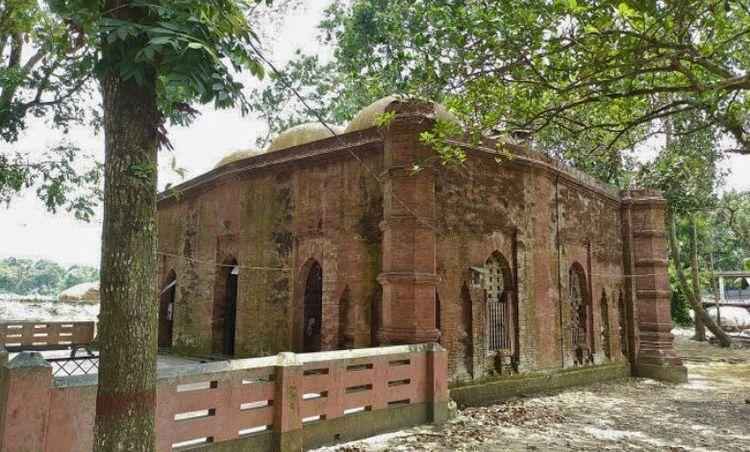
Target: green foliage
{"points": [[44, 71], [77, 274], [194, 47], [734, 213], [41, 277], [58, 179], [686, 169], [588, 79], [43, 68], [52, 51], [680, 307]]}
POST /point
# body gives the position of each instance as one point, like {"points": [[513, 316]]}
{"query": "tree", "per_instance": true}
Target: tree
{"points": [[43, 68], [588, 80], [44, 71], [153, 61], [686, 172], [28, 277], [77, 274], [734, 212]]}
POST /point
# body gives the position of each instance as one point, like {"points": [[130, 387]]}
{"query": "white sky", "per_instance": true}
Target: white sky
{"points": [[28, 230]]}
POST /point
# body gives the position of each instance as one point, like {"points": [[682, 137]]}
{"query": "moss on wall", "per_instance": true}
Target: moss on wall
{"points": [[191, 338], [264, 312]]}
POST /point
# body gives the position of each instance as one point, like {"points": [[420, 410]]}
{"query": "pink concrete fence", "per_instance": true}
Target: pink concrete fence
{"points": [[24, 335], [284, 402]]}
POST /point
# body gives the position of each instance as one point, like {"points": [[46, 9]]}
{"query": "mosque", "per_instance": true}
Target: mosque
{"points": [[329, 239]]}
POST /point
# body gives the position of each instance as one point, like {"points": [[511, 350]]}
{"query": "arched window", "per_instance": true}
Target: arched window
{"points": [[225, 307], [166, 310], [579, 314], [501, 310], [313, 311]]}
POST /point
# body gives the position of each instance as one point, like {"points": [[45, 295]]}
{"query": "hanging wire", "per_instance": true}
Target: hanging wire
{"points": [[322, 121], [372, 173], [217, 264]]}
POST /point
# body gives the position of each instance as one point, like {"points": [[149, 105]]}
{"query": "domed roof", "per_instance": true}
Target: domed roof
{"points": [[367, 116], [302, 134], [237, 155]]}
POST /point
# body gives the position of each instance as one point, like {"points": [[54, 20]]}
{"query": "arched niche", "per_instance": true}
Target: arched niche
{"points": [[312, 309], [581, 315], [224, 317]]}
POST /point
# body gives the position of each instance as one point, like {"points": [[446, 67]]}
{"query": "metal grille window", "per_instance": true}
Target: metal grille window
{"points": [[496, 292]]}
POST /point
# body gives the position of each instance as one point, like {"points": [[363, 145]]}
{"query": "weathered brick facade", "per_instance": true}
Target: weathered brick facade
{"points": [[405, 256]]}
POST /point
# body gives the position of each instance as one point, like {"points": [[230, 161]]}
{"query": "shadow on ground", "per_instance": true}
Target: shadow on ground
{"points": [[709, 412]]}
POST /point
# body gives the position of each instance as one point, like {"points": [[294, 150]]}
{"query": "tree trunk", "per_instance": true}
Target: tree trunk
{"points": [[700, 313], [700, 328], [714, 285], [126, 397]]}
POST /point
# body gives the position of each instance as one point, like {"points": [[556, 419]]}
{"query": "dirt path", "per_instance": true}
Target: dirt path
{"points": [[710, 412]]}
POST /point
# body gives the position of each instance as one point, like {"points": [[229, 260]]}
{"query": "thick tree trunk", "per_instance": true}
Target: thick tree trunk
{"points": [[700, 328], [126, 397], [700, 313]]}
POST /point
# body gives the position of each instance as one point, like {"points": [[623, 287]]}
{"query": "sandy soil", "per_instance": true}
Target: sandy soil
{"points": [[48, 310], [710, 412]]}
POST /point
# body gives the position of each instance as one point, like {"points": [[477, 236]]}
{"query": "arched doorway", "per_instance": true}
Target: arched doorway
{"points": [[580, 315], [225, 307], [313, 310], [166, 310], [501, 313]]}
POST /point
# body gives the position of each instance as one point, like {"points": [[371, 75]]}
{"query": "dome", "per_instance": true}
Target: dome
{"points": [[238, 155], [88, 291], [302, 134], [367, 116]]}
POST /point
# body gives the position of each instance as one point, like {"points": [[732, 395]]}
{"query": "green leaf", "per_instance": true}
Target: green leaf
{"points": [[626, 10]]}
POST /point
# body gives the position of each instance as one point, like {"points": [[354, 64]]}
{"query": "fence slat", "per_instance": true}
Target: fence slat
{"points": [[20, 336], [248, 400]]}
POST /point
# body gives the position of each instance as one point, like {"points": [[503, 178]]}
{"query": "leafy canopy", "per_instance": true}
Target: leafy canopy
{"points": [[51, 53], [43, 71], [587, 80], [194, 47]]}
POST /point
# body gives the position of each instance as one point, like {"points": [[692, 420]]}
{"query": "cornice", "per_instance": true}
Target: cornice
{"points": [[274, 161], [521, 156]]}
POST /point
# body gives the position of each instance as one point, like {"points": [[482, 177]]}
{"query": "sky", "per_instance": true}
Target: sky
{"points": [[28, 230]]}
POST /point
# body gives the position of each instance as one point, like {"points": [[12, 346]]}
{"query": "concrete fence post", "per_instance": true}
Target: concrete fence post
{"points": [[287, 421], [437, 388], [3, 356], [25, 388]]}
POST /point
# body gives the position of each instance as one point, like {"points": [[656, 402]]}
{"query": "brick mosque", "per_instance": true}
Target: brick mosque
{"points": [[514, 262]]}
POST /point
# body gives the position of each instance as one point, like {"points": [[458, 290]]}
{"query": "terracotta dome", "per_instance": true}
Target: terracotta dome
{"points": [[238, 155], [302, 134], [367, 116]]}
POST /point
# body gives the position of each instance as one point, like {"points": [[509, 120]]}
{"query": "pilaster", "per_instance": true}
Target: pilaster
{"points": [[409, 276], [646, 255]]}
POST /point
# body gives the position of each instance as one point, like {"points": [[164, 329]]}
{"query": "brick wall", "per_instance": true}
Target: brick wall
{"points": [[397, 249], [278, 218]]}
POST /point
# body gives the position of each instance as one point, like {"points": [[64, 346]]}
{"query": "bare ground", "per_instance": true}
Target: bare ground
{"points": [[710, 412]]}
